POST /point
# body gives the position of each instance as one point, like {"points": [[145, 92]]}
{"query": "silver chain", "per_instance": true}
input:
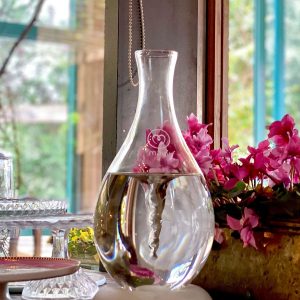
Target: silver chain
{"points": [[130, 21]]}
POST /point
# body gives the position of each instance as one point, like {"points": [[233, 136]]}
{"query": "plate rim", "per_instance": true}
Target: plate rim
{"points": [[43, 274]]}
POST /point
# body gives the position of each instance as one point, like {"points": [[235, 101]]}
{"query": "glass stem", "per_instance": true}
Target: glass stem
{"points": [[155, 198], [60, 243], [14, 234], [4, 242]]}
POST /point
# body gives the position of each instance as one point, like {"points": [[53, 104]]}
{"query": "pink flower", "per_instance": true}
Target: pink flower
{"points": [[219, 234], [228, 150], [262, 147], [216, 155], [194, 125], [189, 141], [293, 147], [258, 159], [280, 174], [248, 164], [202, 139], [230, 183], [204, 160], [281, 131], [165, 162], [197, 137], [159, 154], [245, 226], [237, 171], [158, 161], [140, 271], [199, 141]]}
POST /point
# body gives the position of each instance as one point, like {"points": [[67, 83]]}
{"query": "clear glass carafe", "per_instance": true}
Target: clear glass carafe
{"points": [[154, 220]]}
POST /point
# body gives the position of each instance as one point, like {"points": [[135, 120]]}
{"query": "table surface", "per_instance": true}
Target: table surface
{"points": [[111, 291]]}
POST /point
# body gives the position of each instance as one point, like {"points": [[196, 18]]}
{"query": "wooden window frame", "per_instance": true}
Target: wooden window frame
{"points": [[213, 28], [110, 88]]}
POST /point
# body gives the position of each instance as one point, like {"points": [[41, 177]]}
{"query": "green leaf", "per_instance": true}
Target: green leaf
{"points": [[237, 190], [137, 281]]}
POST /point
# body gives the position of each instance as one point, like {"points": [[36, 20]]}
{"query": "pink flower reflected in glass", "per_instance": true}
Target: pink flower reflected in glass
{"points": [[140, 271]]}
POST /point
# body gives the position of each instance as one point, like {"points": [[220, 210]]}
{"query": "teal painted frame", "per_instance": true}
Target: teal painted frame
{"points": [[71, 134], [13, 30], [71, 140], [279, 60], [259, 71]]}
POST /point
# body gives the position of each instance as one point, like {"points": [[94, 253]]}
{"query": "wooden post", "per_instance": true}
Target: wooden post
{"points": [[215, 107], [110, 84]]}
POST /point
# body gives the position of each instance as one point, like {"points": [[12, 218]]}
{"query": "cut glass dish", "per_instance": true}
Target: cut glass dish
{"points": [[76, 286], [31, 207]]}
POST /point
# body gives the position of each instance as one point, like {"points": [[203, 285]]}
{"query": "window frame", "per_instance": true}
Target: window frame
{"points": [[213, 58]]}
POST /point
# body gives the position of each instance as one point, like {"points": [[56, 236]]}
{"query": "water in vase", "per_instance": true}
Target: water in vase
{"points": [[146, 232]]}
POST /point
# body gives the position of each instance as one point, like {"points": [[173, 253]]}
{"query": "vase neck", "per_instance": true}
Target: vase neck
{"points": [[154, 143], [156, 73]]}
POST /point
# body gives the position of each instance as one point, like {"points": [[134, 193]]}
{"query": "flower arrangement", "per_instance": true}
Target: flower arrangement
{"points": [[81, 244], [251, 191]]}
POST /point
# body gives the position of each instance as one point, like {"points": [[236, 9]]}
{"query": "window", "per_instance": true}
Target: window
{"points": [[51, 98], [263, 66]]}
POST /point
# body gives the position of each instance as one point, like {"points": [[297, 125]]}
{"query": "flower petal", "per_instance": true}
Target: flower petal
{"points": [[233, 223], [250, 217], [247, 237]]}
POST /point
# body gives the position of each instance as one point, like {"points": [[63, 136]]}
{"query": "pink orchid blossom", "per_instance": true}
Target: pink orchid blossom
{"points": [[228, 150], [293, 147], [262, 147], [194, 125], [204, 160], [281, 131], [202, 139], [280, 174], [197, 137], [245, 226], [235, 173]]}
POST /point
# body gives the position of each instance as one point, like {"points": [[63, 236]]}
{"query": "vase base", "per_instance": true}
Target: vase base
{"points": [[113, 292]]}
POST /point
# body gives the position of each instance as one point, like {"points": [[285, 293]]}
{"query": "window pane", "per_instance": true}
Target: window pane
{"points": [[36, 83], [53, 14], [51, 99], [280, 68], [240, 89], [292, 58]]}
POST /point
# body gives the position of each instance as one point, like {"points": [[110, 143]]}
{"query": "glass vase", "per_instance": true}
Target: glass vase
{"points": [[154, 220]]}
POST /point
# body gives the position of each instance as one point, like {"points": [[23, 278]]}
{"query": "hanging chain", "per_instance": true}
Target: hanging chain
{"points": [[130, 21]]}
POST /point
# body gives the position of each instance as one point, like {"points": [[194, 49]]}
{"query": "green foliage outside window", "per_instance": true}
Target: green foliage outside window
{"points": [[37, 75], [241, 60]]}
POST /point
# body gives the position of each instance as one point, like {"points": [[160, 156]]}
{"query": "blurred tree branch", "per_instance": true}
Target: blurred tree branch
{"points": [[22, 36]]}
